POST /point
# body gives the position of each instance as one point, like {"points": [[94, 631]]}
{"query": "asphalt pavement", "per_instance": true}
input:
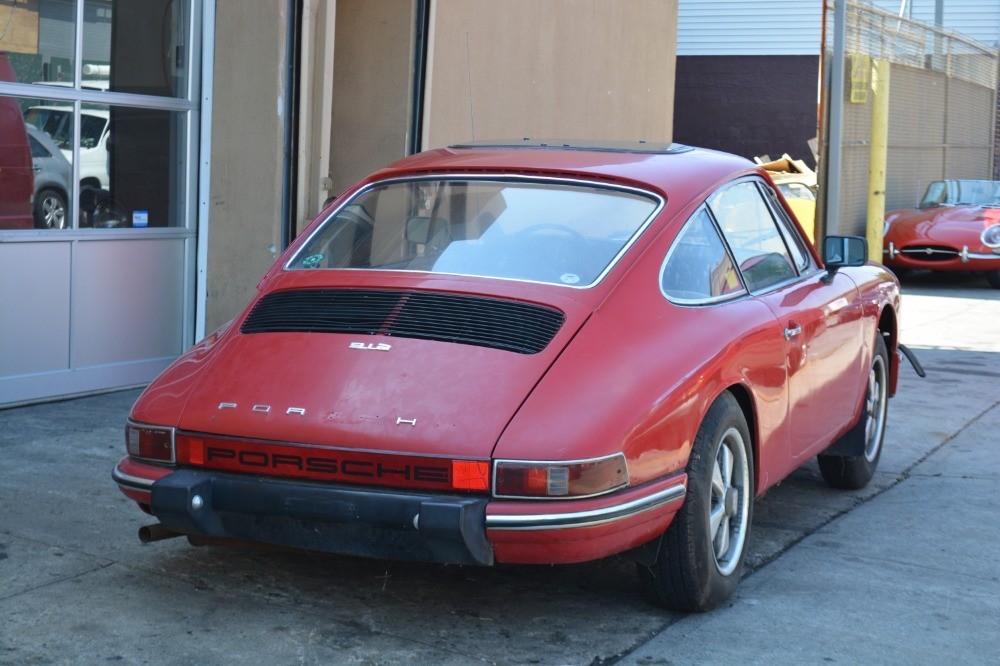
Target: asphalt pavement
{"points": [[901, 572]]}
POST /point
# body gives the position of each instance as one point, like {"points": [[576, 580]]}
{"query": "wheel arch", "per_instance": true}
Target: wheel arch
{"points": [[888, 328], [58, 189], [746, 402]]}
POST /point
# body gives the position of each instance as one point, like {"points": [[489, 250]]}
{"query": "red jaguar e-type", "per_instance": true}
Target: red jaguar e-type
{"points": [[525, 352], [956, 227]]}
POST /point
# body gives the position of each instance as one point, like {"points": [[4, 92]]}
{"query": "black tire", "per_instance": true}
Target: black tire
{"points": [[854, 472], [993, 277], [50, 209], [689, 574]]}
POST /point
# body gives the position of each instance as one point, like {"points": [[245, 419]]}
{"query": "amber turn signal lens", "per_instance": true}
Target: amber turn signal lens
{"points": [[576, 478], [149, 442]]}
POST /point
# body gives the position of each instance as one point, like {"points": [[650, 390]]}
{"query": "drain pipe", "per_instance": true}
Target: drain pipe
{"points": [[289, 168]]}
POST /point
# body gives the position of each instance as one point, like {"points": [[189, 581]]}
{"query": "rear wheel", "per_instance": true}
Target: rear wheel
{"points": [[854, 472], [701, 555], [993, 277]]}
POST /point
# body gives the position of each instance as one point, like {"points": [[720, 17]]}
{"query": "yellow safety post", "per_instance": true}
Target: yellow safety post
{"points": [[877, 158]]}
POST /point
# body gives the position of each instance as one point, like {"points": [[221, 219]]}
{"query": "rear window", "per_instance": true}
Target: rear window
{"points": [[550, 232]]}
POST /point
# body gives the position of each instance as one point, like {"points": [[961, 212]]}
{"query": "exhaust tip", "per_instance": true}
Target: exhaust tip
{"points": [[156, 532]]}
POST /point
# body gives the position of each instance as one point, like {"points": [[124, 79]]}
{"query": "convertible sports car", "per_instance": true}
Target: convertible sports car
{"points": [[512, 352], [956, 227]]}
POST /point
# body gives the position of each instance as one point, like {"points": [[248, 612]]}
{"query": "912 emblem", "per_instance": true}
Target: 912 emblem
{"points": [[372, 346]]}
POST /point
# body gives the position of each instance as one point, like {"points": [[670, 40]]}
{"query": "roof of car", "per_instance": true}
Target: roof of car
{"points": [[670, 168], [647, 147]]}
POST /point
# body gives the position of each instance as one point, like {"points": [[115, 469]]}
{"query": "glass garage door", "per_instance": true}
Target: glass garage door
{"points": [[98, 158]]}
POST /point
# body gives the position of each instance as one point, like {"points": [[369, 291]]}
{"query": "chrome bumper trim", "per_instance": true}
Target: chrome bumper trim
{"points": [[893, 252], [555, 521], [130, 481]]}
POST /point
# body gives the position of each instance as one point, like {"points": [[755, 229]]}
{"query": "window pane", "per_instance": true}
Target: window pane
{"points": [[38, 38], [793, 241], [35, 170], [543, 232], [698, 268], [131, 167], [751, 233], [136, 47]]}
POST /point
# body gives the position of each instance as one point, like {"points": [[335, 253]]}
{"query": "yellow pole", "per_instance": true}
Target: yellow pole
{"points": [[877, 158]]}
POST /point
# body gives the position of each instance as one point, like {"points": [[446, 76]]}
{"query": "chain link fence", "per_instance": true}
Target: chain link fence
{"points": [[942, 109]]}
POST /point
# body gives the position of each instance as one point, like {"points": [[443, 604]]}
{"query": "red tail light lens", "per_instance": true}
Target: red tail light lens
{"points": [[470, 475], [149, 442], [551, 479]]}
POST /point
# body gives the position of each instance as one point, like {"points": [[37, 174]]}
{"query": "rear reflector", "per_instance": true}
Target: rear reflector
{"points": [[149, 442], [579, 478]]}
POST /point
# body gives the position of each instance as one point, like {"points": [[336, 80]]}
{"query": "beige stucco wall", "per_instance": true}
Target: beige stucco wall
{"points": [[247, 140], [591, 69], [21, 35], [372, 81]]}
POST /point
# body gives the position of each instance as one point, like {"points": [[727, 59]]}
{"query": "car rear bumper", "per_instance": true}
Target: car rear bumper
{"points": [[399, 525]]}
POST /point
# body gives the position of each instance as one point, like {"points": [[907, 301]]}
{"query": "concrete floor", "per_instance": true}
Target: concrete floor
{"points": [[901, 572]]}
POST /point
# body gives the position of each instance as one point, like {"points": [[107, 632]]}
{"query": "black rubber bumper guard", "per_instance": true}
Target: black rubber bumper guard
{"points": [[312, 516]]}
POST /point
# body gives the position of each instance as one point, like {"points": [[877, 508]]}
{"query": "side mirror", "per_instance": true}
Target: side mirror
{"points": [[418, 230], [841, 251]]}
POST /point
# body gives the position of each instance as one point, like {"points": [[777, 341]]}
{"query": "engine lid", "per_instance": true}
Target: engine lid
{"points": [[443, 382]]}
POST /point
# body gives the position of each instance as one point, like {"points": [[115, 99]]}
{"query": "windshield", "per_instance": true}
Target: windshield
{"points": [[544, 232], [967, 192], [57, 123]]}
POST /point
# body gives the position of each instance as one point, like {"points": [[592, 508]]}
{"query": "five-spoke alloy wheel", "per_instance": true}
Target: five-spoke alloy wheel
{"points": [[701, 555], [855, 471]]}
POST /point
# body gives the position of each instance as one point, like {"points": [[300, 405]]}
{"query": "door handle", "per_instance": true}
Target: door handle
{"points": [[792, 330]]}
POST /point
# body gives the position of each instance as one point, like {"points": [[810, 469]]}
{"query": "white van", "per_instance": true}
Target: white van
{"points": [[57, 122]]}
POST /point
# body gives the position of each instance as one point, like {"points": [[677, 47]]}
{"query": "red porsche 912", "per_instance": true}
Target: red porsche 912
{"points": [[529, 352]]}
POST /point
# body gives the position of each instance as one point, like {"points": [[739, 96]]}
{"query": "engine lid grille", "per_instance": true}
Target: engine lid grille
{"points": [[514, 326]]}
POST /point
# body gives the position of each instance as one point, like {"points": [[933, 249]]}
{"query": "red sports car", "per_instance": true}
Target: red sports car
{"points": [[956, 227], [520, 352]]}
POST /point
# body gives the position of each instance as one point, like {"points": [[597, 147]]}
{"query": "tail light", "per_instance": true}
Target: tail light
{"points": [[471, 475], [552, 479], [149, 442]]}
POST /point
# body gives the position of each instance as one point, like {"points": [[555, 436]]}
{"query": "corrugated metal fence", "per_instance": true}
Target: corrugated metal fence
{"points": [[942, 109]]}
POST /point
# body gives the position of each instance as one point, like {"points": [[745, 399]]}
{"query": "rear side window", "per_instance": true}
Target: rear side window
{"points": [[792, 238], [752, 234], [698, 268], [37, 149]]}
